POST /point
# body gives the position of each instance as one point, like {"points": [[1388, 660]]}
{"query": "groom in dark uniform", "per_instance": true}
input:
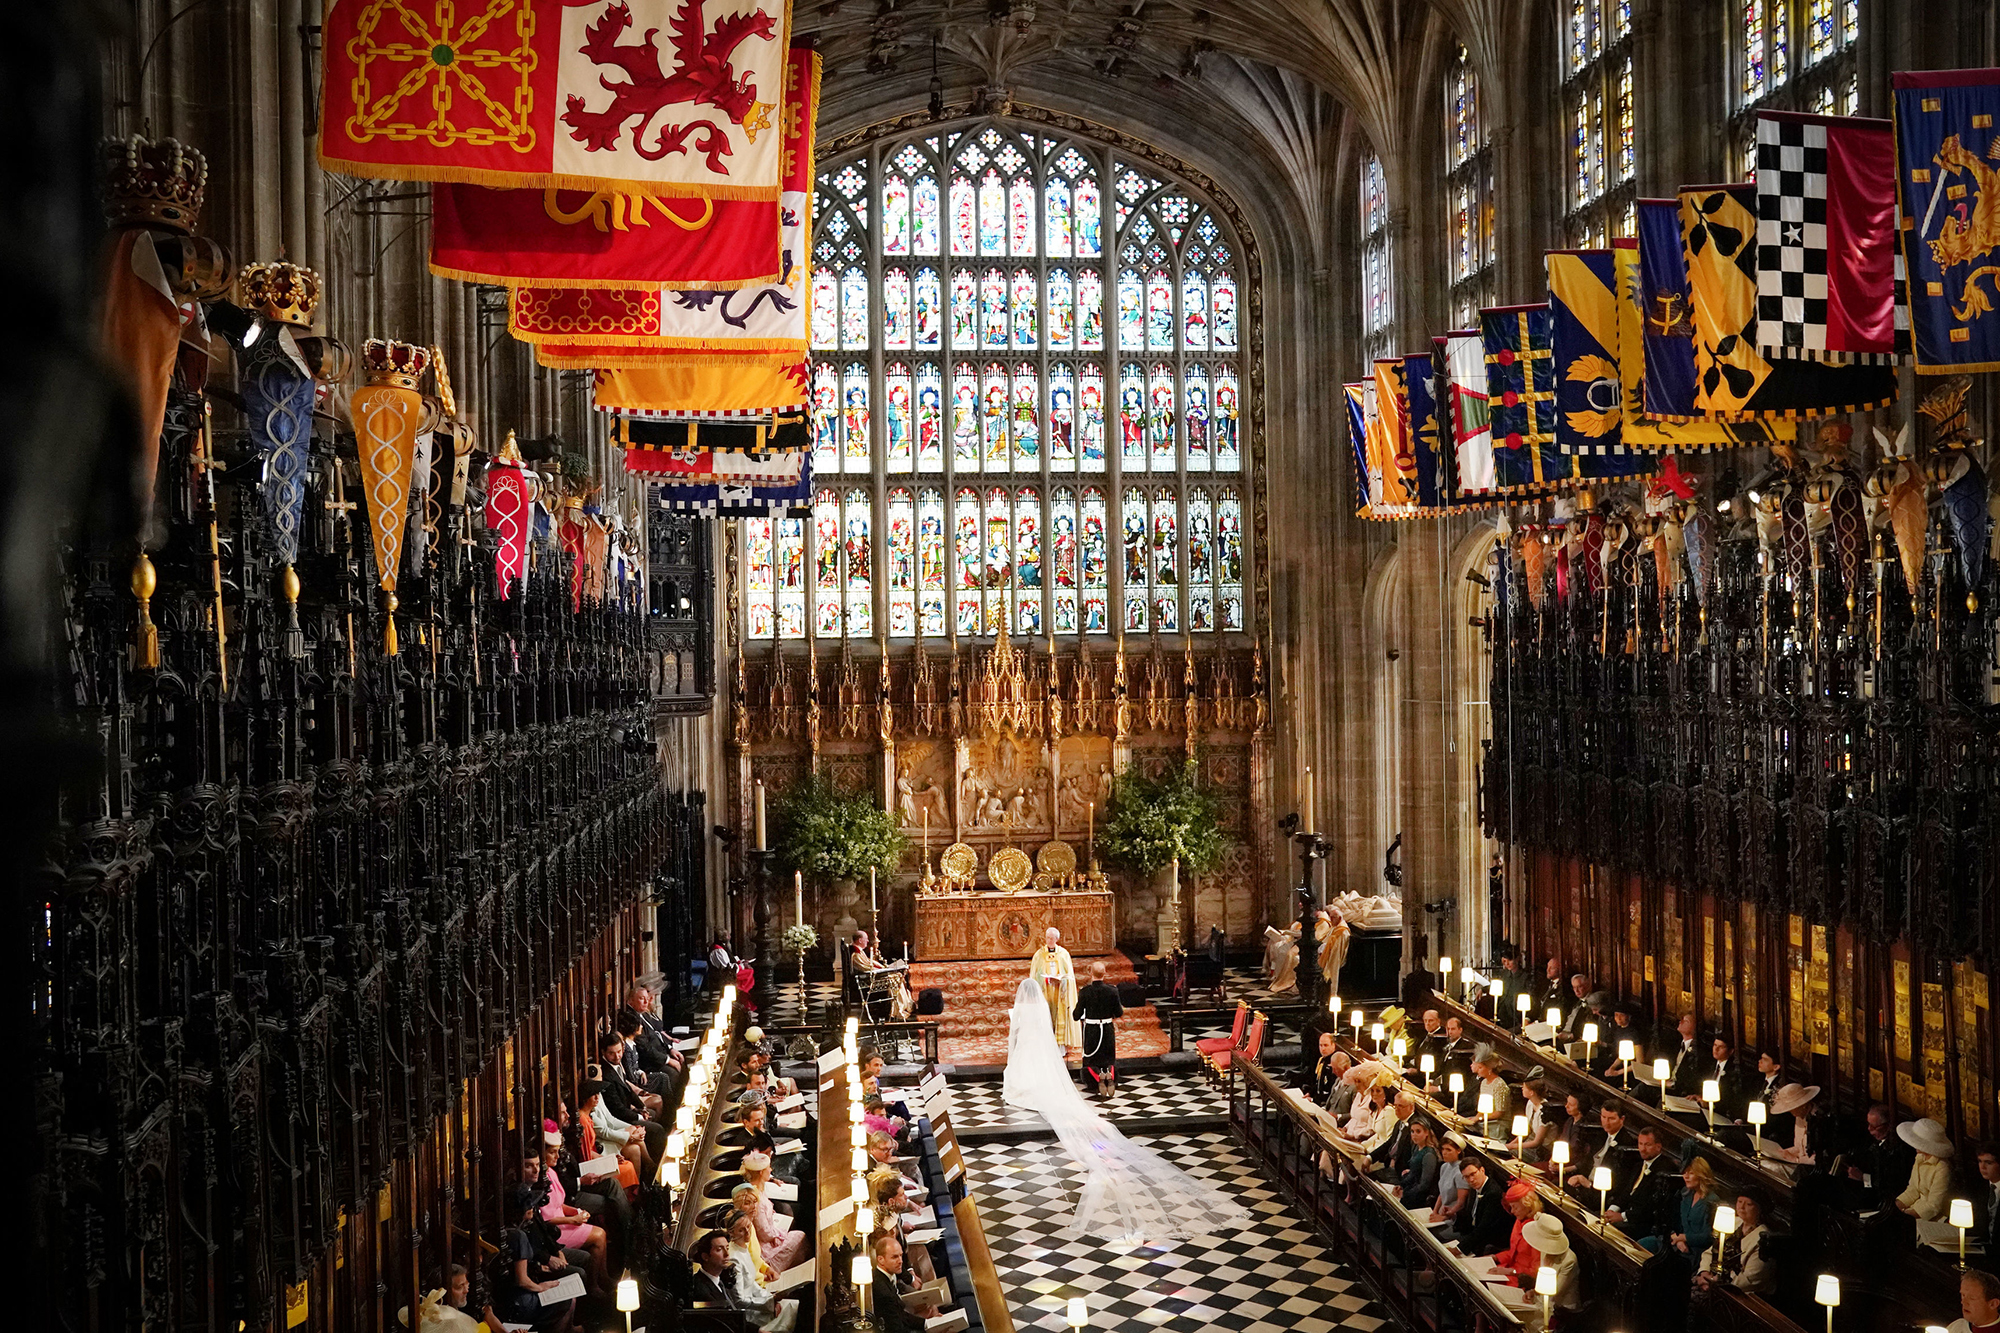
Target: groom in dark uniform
{"points": [[1096, 1006]]}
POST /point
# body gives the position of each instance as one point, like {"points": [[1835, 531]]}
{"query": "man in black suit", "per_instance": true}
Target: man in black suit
{"points": [[1456, 1053], [654, 1044], [1722, 1066], [886, 1292], [1391, 1156], [1577, 1011], [1514, 982], [1485, 1226], [1984, 1191], [1619, 1151], [1682, 1049], [1431, 1041], [1651, 1203], [1770, 1077], [1879, 1169], [711, 1284], [1553, 993]]}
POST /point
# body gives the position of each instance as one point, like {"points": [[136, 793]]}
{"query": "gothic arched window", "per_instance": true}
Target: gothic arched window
{"points": [[1026, 348], [1598, 120], [1378, 299], [1791, 55], [1469, 191]]}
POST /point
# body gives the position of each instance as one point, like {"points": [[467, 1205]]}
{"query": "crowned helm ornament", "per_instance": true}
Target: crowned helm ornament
{"points": [[398, 364], [281, 292], [152, 183]]}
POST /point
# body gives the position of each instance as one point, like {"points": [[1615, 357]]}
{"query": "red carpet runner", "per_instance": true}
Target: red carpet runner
{"points": [[977, 996]]}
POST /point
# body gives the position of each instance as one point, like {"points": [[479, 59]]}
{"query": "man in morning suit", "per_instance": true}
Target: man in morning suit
{"points": [[710, 1285], [1651, 1205], [1618, 1151], [1485, 1226]]}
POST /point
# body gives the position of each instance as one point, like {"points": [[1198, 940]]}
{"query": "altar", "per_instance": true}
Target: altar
{"points": [[956, 926]]}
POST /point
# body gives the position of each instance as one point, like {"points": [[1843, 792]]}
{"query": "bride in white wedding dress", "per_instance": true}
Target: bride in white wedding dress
{"points": [[1129, 1193]]}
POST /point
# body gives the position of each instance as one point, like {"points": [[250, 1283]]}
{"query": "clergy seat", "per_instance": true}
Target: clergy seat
{"points": [[1208, 1046], [1219, 1062]]}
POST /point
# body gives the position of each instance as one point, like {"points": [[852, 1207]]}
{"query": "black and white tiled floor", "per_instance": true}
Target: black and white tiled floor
{"points": [[1163, 1095], [1274, 1277]]}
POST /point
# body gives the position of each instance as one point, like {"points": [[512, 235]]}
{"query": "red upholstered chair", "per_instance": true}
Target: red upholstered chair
{"points": [[1220, 1063], [1210, 1046]]}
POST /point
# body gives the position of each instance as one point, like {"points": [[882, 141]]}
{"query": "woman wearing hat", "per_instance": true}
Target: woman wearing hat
{"points": [[1520, 1258], [1929, 1190], [1809, 1129], [781, 1245], [1546, 1236]]}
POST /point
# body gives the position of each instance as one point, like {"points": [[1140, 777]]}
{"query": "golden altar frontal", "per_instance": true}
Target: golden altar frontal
{"points": [[1010, 925]]}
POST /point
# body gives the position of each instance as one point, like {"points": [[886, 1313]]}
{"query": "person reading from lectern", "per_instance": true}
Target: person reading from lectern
{"points": [[1056, 975]]}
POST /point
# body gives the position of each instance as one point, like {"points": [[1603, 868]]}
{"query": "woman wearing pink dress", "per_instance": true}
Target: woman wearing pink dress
{"points": [[573, 1225], [779, 1243]]}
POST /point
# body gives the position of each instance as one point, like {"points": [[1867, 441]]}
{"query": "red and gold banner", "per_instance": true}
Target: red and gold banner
{"points": [[662, 97], [568, 238], [509, 512], [756, 382], [627, 326], [387, 413]]}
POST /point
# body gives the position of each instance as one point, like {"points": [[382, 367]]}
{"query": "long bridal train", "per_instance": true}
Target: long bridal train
{"points": [[1129, 1192]]}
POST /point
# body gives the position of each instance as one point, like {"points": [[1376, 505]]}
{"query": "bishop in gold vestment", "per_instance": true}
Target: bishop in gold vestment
{"points": [[1058, 977]]}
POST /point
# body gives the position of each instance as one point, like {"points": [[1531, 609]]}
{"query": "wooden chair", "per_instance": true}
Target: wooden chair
{"points": [[1208, 1046], [1249, 1050]]}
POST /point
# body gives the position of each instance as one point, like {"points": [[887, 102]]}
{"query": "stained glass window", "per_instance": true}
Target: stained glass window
{"points": [[759, 578], [1790, 55], [1469, 186], [1598, 121], [960, 510], [1377, 299]]}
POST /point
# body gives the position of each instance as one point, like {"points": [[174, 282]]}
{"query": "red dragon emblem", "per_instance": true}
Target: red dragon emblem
{"points": [[706, 76]]}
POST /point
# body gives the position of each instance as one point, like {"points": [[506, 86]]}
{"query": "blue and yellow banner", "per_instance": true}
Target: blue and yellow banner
{"points": [[1583, 338], [1521, 400], [1356, 396], [1948, 192], [1422, 389]]}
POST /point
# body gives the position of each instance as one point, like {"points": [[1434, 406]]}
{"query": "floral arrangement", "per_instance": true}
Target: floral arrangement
{"points": [[833, 835], [1152, 822], [800, 938]]}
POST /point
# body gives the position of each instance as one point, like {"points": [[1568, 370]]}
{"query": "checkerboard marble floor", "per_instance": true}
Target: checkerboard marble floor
{"points": [[1273, 1278], [1164, 1095]]}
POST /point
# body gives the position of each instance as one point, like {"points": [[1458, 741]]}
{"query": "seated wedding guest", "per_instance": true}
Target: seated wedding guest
{"points": [[882, 1153], [892, 1279], [712, 1283], [627, 1140], [1456, 1053], [656, 1048], [1544, 1235], [1577, 1010], [1878, 1169], [477, 1315], [657, 1084], [1417, 1186], [761, 1308], [1431, 1041], [1486, 1080], [1389, 1144], [1978, 1303], [752, 1130], [1809, 1140], [1576, 1129], [1929, 1191], [1984, 1192], [1739, 1260], [1651, 1203], [1453, 1194], [629, 1097], [1694, 1229], [894, 1212], [1369, 1106], [875, 1116], [1514, 981], [1722, 1066], [574, 1227], [1544, 1121], [628, 1170], [1553, 993], [1624, 1027], [1483, 1227], [1321, 1084], [1617, 1150], [1682, 1050], [532, 1265], [1519, 1257], [1770, 1076], [601, 1193], [757, 1055], [780, 1245]]}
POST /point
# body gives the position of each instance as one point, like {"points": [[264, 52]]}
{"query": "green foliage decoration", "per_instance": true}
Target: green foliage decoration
{"points": [[833, 835], [1150, 822]]}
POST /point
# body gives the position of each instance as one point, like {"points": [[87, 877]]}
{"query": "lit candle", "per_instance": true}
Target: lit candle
{"points": [[857, 1135], [1662, 1071], [1545, 1287], [862, 1278], [1375, 1034], [1961, 1217], [1756, 1113], [1520, 1131], [1826, 1291], [1711, 1092], [871, 891], [1306, 805], [1600, 1180], [762, 844], [1559, 1152], [1455, 1084], [1444, 973], [1555, 1017], [1626, 1054], [1090, 833], [1524, 1002], [1485, 1111]]}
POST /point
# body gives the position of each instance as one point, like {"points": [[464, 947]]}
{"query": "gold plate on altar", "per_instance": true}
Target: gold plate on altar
{"points": [[1009, 869], [959, 861], [1056, 858]]}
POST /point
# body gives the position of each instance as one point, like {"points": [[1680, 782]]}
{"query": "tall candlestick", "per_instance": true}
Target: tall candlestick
{"points": [[1306, 810], [1090, 834], [927, 837], [762, 845], [799, 896], [871, 891]]}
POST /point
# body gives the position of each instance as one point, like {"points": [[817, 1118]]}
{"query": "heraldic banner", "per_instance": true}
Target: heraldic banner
{"points": [[663, 97], [569, 238], [1949, 191]]}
